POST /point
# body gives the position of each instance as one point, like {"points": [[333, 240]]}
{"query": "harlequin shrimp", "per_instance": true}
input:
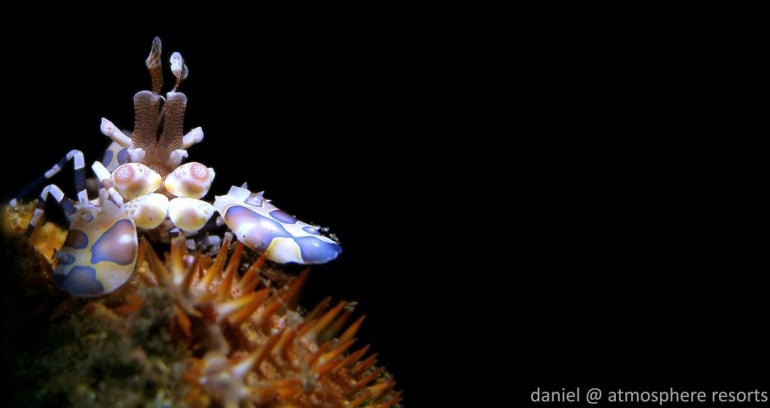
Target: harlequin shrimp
{"points": [[145, 188]]}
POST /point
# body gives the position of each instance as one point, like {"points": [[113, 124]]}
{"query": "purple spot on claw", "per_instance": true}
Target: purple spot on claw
{"points": [[107, 157], [76, 239], [117, 244], [79, 281], [123, 156], [315, 251], [283, 216], [311, 230], [254, 230]]}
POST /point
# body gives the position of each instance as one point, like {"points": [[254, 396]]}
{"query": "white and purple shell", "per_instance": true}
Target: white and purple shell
{"points": [[99, 253], [265, 228]]}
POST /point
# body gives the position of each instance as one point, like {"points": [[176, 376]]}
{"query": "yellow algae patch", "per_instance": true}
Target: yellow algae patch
{"points": [[47, 238]]}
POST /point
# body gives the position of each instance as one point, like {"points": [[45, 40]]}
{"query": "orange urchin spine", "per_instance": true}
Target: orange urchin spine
{"points": [[248, 344]]}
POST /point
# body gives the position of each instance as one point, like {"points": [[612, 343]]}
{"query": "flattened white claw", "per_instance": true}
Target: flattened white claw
{"points": [[191, 180], [189, 214], [133, 180], [148, 211], [261, 226]]}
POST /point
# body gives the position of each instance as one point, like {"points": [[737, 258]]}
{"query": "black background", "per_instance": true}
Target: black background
{"points": [[521, 203]]}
